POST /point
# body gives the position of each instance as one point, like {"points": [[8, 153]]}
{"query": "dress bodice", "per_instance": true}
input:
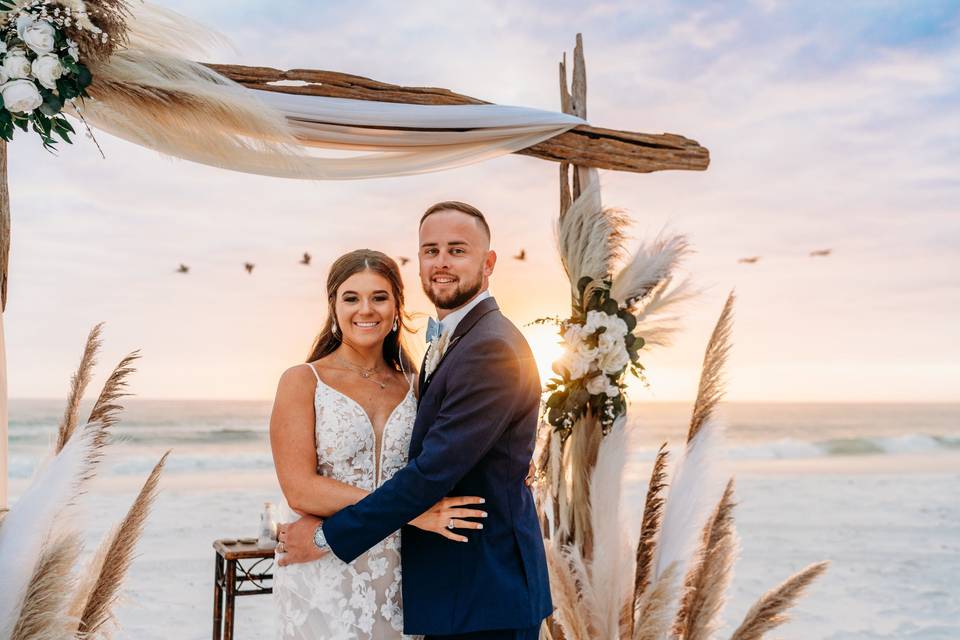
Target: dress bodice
{"points": [[360, 600], [347, 447]]}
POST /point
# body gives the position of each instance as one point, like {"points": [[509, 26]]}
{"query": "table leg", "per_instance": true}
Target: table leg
{"points": [[231, 587], [217, 596]]}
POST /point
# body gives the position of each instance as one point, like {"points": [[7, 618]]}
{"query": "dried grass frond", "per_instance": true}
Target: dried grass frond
{"points": [[105, 409], [42, 613], [650, 529], [706, 583], [566, 599], [651, 264], [167, 103], [584, 446], [78, 385], [656, 314], [711, 388], [654, 607], [98, 609], [590, 237], [769, 611], [111, 17], [611, 570]]}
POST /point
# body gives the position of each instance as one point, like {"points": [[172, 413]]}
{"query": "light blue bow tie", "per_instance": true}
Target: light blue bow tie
{"points": [[433, 330]]}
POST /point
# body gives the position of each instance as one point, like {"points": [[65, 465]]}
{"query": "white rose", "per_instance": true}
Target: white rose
{"points": [[16, 65], [20, 96], [612, 391], [614, 361], [574, 335], [594, 321], [3, 76], [47, 69], [24, 21], [73, 50], [40, 36], [608, 342], [597, 384], [572, 364]]}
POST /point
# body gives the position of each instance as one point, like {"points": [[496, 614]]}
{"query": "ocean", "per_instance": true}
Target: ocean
{"points": [[874, 488]]}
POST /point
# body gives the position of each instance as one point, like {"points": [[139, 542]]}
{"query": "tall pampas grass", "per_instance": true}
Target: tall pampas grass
{"points": [[590, 237], [114, 563], [769, 611], [106, 409], [610, 549], [711, 388], [707, 582], [43, 609], [40, 596], [31, 520], [78, 386]]}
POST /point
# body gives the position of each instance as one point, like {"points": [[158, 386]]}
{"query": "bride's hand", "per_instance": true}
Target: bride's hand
{"points": [[449, 514]]}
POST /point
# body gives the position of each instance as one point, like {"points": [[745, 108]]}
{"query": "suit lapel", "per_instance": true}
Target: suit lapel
{"points": [[483, 308]]}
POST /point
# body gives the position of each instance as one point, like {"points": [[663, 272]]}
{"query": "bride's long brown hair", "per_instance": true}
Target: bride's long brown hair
{"points": [[394, 351]]}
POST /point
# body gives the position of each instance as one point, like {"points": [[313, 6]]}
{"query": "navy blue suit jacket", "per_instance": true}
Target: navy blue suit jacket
{"points": [[473, 436]]}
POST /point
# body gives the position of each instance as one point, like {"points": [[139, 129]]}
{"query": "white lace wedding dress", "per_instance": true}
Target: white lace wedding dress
{"points": [[329, 599]]}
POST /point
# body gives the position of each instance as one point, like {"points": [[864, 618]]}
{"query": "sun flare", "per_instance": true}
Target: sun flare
{"points": [[547, 348]]}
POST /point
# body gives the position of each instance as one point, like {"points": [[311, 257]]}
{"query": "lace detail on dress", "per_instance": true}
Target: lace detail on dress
{"points": [[327, 598]]}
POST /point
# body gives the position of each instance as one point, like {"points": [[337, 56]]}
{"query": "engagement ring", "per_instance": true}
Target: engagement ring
{"points": [[450, 525]]}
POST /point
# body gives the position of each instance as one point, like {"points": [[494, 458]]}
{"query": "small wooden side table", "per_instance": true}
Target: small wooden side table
{"points": [[239, 570]]}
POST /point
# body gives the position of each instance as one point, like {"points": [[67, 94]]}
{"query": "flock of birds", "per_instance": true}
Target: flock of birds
{"points": [[521, 256], [817, 253], [305, 260]]}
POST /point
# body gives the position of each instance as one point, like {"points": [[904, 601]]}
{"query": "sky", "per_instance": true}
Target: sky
{"points": [[830, 125]]}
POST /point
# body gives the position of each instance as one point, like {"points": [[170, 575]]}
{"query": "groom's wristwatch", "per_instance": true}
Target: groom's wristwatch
{"points": [[319, 539]]}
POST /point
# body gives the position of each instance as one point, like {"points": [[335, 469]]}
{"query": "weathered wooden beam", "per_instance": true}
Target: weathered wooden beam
{"points": [[584, 145]]}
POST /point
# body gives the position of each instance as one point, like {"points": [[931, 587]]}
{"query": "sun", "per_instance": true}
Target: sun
{"points": [[547, 348]]}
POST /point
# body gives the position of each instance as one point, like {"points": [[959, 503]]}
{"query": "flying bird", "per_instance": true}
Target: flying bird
{"points": [[750, 260], [403, 261], [305, 259], [820, 252], [521, 256], [183, 269], [248, 266]]}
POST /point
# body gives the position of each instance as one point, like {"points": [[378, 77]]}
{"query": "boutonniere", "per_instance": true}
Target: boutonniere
{"points": [[435, 352]]}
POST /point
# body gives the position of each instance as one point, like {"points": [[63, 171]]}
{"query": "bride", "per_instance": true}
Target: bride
{"points": [[340, 427]]}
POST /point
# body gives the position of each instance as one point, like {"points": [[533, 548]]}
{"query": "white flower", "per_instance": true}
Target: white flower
{"points": [[73, 50], [20, 96], [608, 342], [612, 324], [3, 76], [612, 391], [24, 20], [597, 384], [574, 364], [40, 36], [47, 69], [16, 65], [614, 361]]}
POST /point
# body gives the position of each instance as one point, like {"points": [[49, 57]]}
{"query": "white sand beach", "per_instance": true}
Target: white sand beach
{"points": [[889, 522]]}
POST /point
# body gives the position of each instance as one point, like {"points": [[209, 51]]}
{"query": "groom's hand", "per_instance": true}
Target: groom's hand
{"points": [[295, 541]]}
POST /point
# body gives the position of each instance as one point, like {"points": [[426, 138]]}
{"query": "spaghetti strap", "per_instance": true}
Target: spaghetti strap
{"points": [[314, 369]]}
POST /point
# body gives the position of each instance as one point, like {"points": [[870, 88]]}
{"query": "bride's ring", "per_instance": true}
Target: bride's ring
{"points": [[451, 525], [281, 548]]}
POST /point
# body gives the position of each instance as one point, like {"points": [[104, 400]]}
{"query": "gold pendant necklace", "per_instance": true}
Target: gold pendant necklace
{"points": [[363, 372]]}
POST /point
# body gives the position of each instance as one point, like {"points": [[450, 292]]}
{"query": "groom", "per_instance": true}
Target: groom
{"points": [[473, 436]]}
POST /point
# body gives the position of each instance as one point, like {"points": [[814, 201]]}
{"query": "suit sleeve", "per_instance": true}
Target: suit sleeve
{"points": [[478, 406]]}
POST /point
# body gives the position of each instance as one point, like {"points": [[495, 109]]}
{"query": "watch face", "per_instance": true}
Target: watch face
{"points": [[319, 539]]}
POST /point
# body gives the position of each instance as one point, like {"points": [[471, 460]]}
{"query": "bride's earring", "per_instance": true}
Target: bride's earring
{"points": [[395, 324], [333, 328]]}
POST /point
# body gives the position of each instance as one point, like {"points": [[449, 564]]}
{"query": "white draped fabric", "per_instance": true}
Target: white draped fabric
{"points": [[407, 138], [386, 139]]}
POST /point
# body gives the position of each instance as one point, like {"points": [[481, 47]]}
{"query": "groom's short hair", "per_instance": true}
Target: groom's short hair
{"points": [[462, 207]]}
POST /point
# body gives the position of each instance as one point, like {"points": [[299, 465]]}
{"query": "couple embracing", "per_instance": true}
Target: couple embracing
{"points": [[415, 518]]}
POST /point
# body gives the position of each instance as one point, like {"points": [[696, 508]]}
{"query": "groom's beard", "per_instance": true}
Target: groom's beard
{"points": [[455, 299]]}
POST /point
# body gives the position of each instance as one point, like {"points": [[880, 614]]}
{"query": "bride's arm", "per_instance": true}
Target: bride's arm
{"points": [[295, 451]]}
